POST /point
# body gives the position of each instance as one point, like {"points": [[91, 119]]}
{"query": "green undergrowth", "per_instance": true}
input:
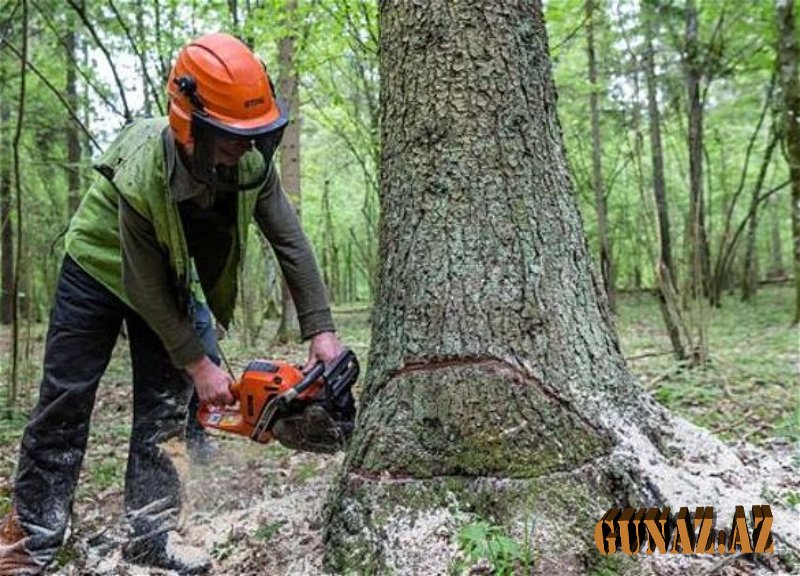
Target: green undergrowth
{"points": [[749, 388]]}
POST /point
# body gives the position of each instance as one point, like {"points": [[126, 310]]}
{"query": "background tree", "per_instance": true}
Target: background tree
{"points": [[664, 268], [496, 384], [6, 226], [289, 88], [72, 131], [606, 258], [789, 56], [13, 385], [746, 390]]}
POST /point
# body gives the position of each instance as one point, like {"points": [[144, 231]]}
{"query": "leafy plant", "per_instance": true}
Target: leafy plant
{"points": [[65, 555], [223, 549], [484, 541], [608, 566], [107, 472], [267, 530], [305, 471]]}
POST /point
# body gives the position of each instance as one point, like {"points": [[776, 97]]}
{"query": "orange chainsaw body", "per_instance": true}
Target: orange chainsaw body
{"points": [[261, 382]]}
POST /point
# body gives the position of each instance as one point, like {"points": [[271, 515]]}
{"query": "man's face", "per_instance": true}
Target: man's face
{"points": [[228, 151]]}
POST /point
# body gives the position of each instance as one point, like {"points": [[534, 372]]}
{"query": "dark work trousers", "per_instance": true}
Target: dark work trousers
{"points": [[84, 324]]}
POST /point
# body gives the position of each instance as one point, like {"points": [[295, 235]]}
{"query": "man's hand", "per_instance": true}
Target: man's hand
{"points": [[213, 384], [324, 347]]}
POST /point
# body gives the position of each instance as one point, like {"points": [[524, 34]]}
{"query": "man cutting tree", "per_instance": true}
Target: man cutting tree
{"points": [[157, 242]]}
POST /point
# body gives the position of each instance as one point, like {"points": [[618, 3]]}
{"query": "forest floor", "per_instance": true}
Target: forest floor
{"points": [[256, 508]]}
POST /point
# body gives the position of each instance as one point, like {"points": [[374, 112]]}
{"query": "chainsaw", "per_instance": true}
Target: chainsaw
{"points": [[314, 411]]}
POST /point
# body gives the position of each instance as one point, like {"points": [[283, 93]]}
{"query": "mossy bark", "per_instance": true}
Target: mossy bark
{"points": [[496, 384]]}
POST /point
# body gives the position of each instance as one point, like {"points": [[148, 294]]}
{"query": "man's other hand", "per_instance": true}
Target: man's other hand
{"points": [[324, 347], [213, 384]]}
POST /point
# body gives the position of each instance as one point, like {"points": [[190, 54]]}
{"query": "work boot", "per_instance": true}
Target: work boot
{"points": [[15, 560], [169, 552]]}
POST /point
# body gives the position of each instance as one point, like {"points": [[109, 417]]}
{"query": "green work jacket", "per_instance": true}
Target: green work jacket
{"points": [[135, 172]]}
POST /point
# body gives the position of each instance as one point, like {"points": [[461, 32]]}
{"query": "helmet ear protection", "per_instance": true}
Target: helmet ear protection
{"points": [[188, 87]]}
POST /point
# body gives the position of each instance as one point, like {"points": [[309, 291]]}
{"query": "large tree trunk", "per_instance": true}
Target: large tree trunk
{"points": [[496, 385], [598, 184], [289, 328], [788, 59]]}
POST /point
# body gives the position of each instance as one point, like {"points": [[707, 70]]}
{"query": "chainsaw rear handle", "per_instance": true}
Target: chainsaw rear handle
{"points": [[234, 388]]}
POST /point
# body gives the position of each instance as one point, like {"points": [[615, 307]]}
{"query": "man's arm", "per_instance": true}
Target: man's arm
{"points": [[146, 281], [278, 222]]}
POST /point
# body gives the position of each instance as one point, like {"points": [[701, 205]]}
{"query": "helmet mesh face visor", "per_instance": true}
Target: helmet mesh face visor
{"points": [[209, 136]]}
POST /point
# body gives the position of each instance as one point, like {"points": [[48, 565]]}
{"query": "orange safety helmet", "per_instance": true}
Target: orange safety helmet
{"points": [[218, 89]]}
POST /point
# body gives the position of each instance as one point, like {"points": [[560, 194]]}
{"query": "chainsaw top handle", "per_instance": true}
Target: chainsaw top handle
{"points": [[310, 377]]}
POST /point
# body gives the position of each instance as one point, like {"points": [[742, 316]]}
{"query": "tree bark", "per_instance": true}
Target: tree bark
{"points": [[289, 328], [598, 184], [496, 385], [788, 57]]}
